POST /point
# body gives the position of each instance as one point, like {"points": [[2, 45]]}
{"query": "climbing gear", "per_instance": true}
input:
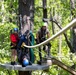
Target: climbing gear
{"points": [[32, 58]]}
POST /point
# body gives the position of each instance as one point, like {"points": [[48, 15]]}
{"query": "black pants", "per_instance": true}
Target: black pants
{"points": [[44, 48]]}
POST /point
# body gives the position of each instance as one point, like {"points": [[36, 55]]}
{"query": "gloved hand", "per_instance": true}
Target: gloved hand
{"points": [[23, 44]]}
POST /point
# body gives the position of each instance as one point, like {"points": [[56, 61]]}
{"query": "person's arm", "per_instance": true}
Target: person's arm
{"points": [[37, 38], [48, 34]]}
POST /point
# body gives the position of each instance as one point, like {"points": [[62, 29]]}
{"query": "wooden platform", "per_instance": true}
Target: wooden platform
{"points": [[32, 67]]}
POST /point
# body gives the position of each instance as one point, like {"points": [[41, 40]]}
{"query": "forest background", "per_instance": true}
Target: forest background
{"points": [[61, 11]]}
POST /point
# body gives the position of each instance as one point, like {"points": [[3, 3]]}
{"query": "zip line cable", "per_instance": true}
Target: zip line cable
{"points": [[71, 24]]}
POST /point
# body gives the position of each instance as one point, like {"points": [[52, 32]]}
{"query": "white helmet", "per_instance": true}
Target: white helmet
{"points": [[45, 24]]}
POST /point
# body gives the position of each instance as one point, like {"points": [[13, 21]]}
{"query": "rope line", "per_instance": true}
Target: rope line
{"points": [[71, 24]]}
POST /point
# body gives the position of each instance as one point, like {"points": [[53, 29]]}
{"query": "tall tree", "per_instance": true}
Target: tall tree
{"points": [[26, 8], [73, 30], [44, 8]]}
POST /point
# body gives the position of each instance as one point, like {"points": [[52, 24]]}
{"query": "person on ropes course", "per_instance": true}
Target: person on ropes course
{"points": [[14, 41], [42, 35], [23, 53]]}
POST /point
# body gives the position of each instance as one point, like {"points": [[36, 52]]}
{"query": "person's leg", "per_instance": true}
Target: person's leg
{"points": [[49, 48], [19, 53], [40, 55], [13, 55]]}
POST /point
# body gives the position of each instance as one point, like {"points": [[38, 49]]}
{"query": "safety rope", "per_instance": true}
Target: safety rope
{"points": [[71, 24], [36, 50]]}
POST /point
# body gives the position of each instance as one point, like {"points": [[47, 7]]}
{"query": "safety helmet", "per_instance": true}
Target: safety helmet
{"points": [[16, 29], [45, 24], [25, 62]]}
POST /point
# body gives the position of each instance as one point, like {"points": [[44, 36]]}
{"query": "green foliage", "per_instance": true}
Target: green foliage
{"points": [[5, 44], [59, 9]]}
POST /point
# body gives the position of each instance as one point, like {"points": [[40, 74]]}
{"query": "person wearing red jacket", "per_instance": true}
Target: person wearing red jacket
{"points": [[14, 41]]}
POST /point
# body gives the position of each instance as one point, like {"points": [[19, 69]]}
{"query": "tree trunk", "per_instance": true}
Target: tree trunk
{"points": [[72, 4], [73, 30], [44, 10], [32, 13], [26, 8]]}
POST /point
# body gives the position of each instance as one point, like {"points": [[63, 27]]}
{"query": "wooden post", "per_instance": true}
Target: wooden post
{"points": [[26, 8]]}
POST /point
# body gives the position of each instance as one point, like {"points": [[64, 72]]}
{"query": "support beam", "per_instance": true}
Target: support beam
{"points": [[62, 65]]}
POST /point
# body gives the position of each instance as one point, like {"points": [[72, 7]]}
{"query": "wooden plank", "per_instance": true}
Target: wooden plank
{"points": [[31, 67], [27, 68], [7, 66]]}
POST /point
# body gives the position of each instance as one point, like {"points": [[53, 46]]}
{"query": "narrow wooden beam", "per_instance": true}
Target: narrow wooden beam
{"points": [[62, 65]]}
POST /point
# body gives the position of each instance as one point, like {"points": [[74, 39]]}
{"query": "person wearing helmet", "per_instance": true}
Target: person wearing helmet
{"points": [[14, 40], [42, 35], [23, 52]]}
